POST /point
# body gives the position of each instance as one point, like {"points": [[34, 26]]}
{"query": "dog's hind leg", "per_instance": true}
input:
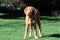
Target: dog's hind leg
{"points": [[40, 29]]}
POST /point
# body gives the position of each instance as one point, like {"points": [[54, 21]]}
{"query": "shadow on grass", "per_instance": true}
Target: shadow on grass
{"points": [[11, 17], [7, 17], [17, 16], [50, 18], [53, 35]]}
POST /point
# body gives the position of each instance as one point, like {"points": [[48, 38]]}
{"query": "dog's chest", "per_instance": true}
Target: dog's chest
{"points": [[32, 21]]}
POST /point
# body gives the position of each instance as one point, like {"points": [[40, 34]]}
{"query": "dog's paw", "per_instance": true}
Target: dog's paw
{"points": [[30, 35], [40, 35], [25, 38], [36, 37]]}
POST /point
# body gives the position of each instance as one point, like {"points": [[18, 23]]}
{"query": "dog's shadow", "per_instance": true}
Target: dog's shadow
{"points": [[53, 35]]}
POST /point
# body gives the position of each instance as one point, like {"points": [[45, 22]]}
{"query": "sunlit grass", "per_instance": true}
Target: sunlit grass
{"points": [[13, 29]]}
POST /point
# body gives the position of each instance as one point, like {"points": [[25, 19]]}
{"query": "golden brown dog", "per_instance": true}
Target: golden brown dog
{"points": [[32, 18]]}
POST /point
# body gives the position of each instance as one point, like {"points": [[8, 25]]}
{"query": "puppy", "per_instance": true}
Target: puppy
{"points": [[32, 18]]}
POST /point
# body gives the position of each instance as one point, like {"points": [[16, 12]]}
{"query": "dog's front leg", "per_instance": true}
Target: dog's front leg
{"points": [[30, 30], [26, 31], [35, 32]]}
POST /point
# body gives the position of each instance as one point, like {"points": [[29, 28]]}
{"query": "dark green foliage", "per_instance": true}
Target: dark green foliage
{"points": [[45, 7]]}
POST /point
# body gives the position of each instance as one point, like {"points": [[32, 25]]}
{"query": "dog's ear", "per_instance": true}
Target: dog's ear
{"points": [[25, 10]]}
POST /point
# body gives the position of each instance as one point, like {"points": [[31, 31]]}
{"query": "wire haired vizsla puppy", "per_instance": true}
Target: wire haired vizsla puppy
{"points": [[32, 18]]}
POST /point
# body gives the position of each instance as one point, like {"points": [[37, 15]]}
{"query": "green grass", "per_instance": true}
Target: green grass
{"points": [[13, 29]]}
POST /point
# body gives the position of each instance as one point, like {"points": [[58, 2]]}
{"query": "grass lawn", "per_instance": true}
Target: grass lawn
{"points": [[13, 29]]}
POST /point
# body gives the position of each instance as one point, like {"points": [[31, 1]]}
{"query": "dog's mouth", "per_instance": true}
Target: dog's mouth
{"points": [[31, 15]]}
